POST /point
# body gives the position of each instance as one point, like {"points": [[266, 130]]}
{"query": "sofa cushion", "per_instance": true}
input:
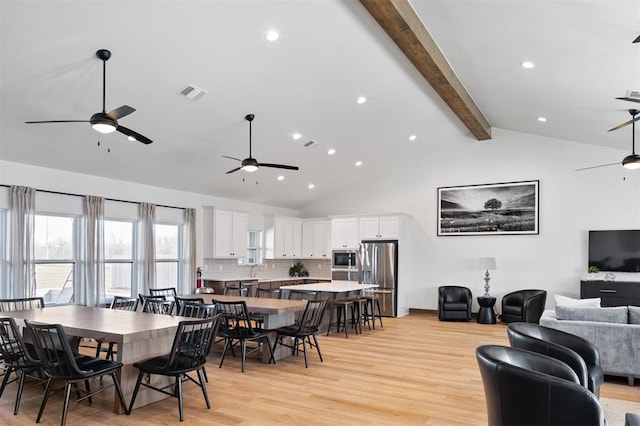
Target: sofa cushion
{"points": [[585, 303], [634, 315], [618, 314]]}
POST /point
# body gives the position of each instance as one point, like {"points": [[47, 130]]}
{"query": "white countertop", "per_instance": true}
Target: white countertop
{"points": [[332, 287]]}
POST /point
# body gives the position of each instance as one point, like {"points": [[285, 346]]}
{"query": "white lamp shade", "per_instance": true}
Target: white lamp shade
{"points": [[487, 263]]}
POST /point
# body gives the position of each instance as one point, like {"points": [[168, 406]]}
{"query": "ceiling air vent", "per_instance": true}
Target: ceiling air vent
{"points": [[192, 92]]}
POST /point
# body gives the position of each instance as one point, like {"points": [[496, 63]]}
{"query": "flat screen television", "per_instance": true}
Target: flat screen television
{"points": [[616, 251]]}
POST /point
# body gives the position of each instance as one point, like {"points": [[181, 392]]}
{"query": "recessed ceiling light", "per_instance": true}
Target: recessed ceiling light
{"points": [[358, 163], [527, 65], [296, 136], [272, 35], [280, 177], [542, 119], [311, 186], [412, 137], [361, 100], [331, 151]]}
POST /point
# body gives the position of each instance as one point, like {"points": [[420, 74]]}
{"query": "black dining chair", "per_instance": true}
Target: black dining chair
{"points": [[61, 364], [120, 303], [16, 358], [188, 353], [236, 325], [169, 292], [157, 305], [302, 332], [181, 300], [197, 309], [21, 304]]}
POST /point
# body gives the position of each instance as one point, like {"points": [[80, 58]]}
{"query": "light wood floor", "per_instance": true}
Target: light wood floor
{"points": [[415, 370]]}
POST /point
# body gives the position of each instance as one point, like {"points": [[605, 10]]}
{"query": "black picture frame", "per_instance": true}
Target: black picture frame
{"points": [[510, 208]]}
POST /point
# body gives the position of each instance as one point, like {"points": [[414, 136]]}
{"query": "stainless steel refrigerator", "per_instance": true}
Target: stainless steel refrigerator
{"points": [[379, 265]]}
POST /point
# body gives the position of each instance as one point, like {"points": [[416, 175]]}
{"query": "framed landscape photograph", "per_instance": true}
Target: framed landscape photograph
{"points": [[489, 209]]}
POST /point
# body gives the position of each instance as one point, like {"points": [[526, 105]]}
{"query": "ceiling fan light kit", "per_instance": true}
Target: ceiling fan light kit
{"points": [[631, 162], [250, 164], [106, 122]]}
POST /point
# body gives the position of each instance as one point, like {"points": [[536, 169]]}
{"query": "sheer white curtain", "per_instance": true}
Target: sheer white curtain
{"points": [[91, 291], [22, 244], [146, 256], [188, 279]]}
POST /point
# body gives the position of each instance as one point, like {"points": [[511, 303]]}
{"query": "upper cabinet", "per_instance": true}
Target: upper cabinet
{"points": [[344, 233], [282, 238], [379, 227], [316, 239], [225, 234]]}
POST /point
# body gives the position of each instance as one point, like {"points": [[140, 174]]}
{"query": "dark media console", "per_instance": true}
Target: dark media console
{"points": [[611, 293]]}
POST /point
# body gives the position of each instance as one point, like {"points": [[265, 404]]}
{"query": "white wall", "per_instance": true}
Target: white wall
{"points": [[571, 203], [61, 181]]}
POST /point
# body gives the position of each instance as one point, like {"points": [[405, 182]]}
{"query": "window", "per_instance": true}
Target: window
{"points": [[254, 249], [167, 255], [3, 247], [118, 258], [55, 258]]}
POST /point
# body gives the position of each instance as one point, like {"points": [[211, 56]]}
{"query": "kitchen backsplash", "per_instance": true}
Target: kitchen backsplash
{"points": [[270, 269]]}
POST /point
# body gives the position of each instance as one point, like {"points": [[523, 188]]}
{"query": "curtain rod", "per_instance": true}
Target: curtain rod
{"points": [[108, 199]]}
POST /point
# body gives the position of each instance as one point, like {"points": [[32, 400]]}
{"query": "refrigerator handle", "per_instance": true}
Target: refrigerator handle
{"points": [[374, 264]]}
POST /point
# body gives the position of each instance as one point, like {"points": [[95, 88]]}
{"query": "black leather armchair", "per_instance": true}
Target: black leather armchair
{"points": [[579, 354], [523, 306], [454, 303], [526, 388]]}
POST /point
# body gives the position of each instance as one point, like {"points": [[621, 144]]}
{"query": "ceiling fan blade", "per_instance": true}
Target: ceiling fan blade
{"points": [[232, 158], [234, 170], [57, 121], [279, 166], [626, 98], [137, 136], [120, 112], [625, 124], [601, 165]]}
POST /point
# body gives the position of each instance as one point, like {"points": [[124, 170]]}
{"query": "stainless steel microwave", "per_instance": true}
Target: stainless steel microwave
{"points": [[344, 259]]}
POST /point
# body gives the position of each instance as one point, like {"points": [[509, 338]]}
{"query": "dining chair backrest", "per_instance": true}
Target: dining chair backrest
{"points": [[191, 344], [124, 303], [303, 295], [144, 297], [312, 316], [162, 307], [271, 293], [168, 292], [197, 310], [8, 305], [235, 316], [12, 347], [181, 300], [52, 347], [236, 291]]}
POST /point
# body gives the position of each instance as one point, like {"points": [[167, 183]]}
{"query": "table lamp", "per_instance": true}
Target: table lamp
{"points": [[487, 263]]}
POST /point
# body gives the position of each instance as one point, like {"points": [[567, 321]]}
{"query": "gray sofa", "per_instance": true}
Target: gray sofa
{"points": [[615, 331]]}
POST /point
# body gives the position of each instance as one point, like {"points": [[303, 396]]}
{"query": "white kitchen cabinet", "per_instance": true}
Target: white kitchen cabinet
{"points": [[229, 239], [344, 233], [379, 227], [283, 238], [316, 239]]}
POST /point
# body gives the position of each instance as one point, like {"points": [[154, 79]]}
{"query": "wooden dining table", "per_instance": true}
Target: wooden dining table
{"points": [[139, 336]]}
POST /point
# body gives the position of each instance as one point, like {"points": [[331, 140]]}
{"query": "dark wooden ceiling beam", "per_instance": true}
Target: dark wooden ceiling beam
{"points": [[405, 28]]}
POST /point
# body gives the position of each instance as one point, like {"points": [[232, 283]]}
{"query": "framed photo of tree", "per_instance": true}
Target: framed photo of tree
{"points": [[489, 209]]}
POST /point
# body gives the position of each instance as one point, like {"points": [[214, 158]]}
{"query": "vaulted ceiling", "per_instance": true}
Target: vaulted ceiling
{"points": [[328, 54]]}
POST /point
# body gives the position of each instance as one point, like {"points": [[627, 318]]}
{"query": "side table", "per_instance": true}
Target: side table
{"points": [[486, 314]]}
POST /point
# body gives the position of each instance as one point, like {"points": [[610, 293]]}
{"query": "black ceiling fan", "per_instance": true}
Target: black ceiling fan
{"points": [[250, 164], [631, 161], [106, 122]]}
